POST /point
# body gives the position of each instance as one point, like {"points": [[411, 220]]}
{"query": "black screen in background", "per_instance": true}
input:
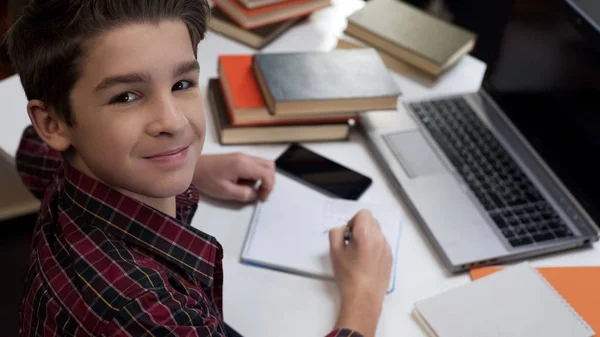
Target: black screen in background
{"points": [[590, 8], [547, 79]]}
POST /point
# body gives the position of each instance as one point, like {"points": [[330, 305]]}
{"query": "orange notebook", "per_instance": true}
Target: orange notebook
{"points": [[579, 286], [244, 98]]}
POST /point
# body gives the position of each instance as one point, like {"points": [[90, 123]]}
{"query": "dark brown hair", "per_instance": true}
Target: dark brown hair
{"points": [[46, 44]]}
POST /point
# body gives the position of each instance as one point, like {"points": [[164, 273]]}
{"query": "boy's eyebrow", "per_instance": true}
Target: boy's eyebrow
{"points": [[186, 67], [181, 69], [122, 79]]}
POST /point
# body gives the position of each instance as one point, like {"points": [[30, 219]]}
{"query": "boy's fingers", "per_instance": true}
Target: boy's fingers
{"points": [[267, 180], [336, 238], [241, 192]]}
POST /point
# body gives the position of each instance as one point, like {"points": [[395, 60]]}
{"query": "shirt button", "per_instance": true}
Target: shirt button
{"points": [[190, 195]]}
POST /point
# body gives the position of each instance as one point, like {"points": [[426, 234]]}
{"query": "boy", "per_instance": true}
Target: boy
{"points": [[114, 153]]}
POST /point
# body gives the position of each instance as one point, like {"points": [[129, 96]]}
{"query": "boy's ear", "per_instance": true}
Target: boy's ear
{"points": [[48, 125]]}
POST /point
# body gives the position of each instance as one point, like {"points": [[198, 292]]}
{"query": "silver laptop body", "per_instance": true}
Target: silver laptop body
{"points": [[442, 203]]}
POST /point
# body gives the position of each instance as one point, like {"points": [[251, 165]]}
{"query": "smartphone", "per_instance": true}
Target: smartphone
{"points": [[321, 173]]}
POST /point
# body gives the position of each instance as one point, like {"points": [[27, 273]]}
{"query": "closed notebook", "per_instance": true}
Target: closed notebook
{"points": [[245, 102], [515, 302], [345, 80], [256, 38], [229, 134], [579, 286], [411, 34], [290, 231]]}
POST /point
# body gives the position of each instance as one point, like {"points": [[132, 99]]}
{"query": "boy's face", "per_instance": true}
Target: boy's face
{"points": [[139, 120]]}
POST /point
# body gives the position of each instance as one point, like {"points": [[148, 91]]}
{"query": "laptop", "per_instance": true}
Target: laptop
{"points": [[509, 172], [15, 198]]}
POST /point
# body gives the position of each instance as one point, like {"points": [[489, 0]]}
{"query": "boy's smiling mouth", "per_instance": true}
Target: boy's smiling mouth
{"points": [[174, 156]]}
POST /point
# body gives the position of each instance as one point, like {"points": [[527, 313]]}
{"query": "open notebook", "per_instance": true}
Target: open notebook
{"points": [[289, 232]]}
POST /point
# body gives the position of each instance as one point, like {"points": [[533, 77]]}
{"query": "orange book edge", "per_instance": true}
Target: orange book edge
{"points": [[579, 286], [241, 81], [246, 93]]}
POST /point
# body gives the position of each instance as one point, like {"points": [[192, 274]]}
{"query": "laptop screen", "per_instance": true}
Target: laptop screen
{"points": [[546, 77]]}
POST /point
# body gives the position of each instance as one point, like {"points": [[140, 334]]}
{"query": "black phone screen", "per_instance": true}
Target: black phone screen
{"points": [[322, 173]]}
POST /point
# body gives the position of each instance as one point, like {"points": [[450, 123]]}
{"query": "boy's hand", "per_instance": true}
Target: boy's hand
{"points": [[232, 177], [362, 270]]}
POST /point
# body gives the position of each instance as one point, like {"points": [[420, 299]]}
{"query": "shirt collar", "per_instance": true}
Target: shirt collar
{"points": [[139, 224]]}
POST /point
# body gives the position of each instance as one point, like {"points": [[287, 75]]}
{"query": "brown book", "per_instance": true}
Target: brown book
{"points": [[301, 83], [396, 65], [256, 17], [229, 135], [259, 3], [391, 62], [256, 38], [410, 34]]}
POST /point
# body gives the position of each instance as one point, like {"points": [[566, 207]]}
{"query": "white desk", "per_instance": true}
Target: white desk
{"points": [[260, 302]]}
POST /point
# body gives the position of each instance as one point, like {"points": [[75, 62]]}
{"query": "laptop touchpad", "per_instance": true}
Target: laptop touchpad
{"points": [[414, 153]]}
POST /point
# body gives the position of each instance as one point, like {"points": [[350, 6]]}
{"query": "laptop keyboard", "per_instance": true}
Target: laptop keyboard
{"points": [[517, 207]]}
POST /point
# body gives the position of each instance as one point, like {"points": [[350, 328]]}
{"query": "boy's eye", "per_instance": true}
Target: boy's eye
{"points": [[182, 85], [125, 97]]}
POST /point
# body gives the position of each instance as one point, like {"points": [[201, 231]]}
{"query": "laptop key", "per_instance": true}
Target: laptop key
{"points": [[543, 237], [543, 228], [517, 242], [563, 233], [531, 228], [526, 240], [509, 234], [500, 221]]}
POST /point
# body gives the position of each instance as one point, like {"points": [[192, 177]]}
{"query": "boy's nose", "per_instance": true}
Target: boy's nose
{"points": [[167, 119]]}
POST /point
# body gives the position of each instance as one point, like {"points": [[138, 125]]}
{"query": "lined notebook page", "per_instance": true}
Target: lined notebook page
{"points": [[515, 302], [290, 231]]}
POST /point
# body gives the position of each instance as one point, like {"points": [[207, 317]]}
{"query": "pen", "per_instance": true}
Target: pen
{"points": [[348, 234]]}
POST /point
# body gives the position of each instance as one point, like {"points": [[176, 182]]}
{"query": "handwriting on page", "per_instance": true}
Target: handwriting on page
{"points": [[337, 213]]}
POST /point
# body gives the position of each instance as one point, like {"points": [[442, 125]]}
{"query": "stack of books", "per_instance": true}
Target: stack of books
{"points": [[297, 97], [406, 35], [257, 23]]}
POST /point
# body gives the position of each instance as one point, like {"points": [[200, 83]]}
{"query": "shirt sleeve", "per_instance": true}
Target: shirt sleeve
{"points": [[36, 162], [167, 313], [344, 333]]}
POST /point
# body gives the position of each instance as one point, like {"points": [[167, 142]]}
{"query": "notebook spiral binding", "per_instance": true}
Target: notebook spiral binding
{"points": [[565, 302]]}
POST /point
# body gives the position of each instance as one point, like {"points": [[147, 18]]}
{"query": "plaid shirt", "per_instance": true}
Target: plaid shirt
{"points": [[103, 264]]}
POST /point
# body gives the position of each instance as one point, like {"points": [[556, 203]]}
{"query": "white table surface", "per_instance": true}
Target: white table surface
{"points": [[260, 302]]}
